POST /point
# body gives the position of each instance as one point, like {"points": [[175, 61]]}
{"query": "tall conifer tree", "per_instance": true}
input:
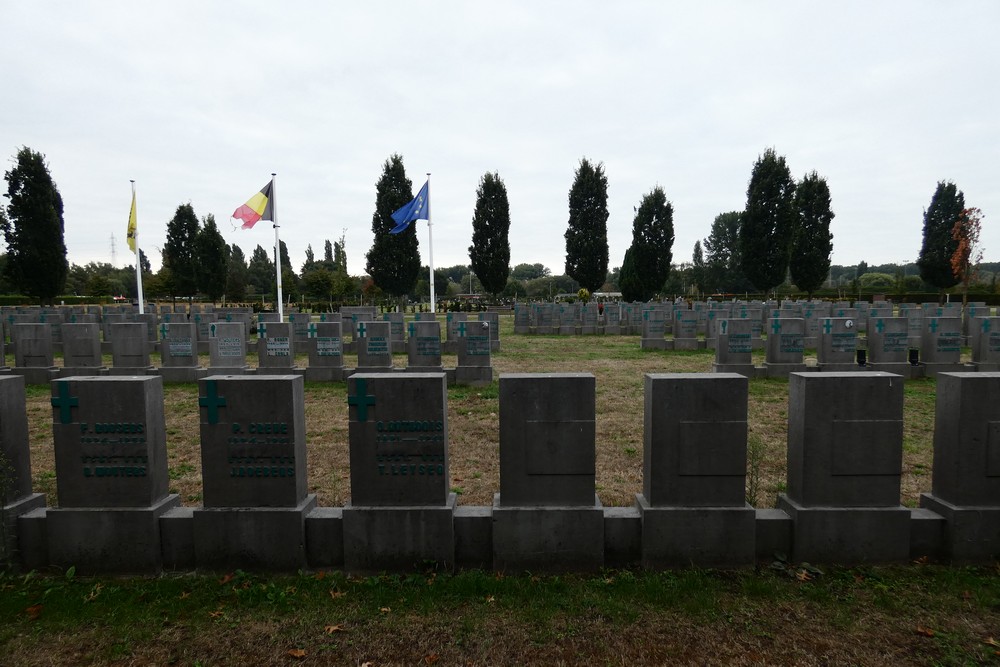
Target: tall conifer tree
{"points": [[587, 232], [393, 261], [813, 242], [939, 246], [179, 251], [768, 223], [490, 249]]}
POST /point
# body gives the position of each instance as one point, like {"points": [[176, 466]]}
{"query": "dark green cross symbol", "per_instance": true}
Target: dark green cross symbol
{"points": [[827, 326], [163, 330], [41, 318], [322, 317], [197, 318], [645, 314], [362, 331], [840, 313], [72, 318], [261, 330], [986, 325], [711, 314], [213, 401], [10, 319], [166, 318], [361, 400], [879, 326], [412, 329], [775, 325], [461, 329], [65, 403], [212, 331], [229, 318], [933, 326], [312, 331], [723, 324]]}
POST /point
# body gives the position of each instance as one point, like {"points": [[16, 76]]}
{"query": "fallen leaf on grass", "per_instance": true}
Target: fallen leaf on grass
{"points": [[992, 642], [367, 664], [320, 576], [337, 594], [385, 610], [33, 612], [226, 579], [966, 595], [926, 632], [215, 614], [490, 599], [802, 575], [923, 560], [431, 659], [185, 595], [297, 653], [330, 629]]}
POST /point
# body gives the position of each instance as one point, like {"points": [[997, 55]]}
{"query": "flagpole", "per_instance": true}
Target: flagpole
{"points": [[430, 244], [138, 264], [277, 246]]}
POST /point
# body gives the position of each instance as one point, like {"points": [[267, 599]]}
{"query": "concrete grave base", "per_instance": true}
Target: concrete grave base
{"points": [[231, 370], [622, 537], [102, 539], [132, 370], [908, 371], [972, 534], [746, 370], [979, 366], [252, 538], [689, 344], [773, 534], [848, 535], [325, 537], [295, 370], [656, 344], [546, 539], [78, 371], [324, 374], [376, 369], [697, 536], [424, 369], [474, 537], [474, 376], [175, 374], [8, 516], [40, 375], [783, 370], [927, 534], [400, 537], [840, 368], [177, 539], [933, 370]]}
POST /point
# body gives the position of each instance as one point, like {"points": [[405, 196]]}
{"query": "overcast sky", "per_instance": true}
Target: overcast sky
{"points": [[201, 101]]}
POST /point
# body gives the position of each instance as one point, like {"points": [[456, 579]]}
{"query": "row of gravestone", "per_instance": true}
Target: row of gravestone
{"points": [[844, 460], [227, 349]]}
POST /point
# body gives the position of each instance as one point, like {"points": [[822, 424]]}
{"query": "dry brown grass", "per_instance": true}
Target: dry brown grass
{"points": [[619, 367]]}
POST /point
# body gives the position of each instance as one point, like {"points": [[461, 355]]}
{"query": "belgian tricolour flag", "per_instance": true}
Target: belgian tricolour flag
{"points": [[258, 207]]}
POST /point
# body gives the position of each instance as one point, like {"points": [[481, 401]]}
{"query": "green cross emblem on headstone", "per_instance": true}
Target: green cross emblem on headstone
{"points": [[986, 325], [229, 317], [213, 401], [933, 325], [197, 318], [879, 326], [322, 317], [361, 400], [164, 328], [166, 317], [261, 330], [362, 330], [460, 329], [722, 327], [312, 332], [41, 318], [72, 318], [827, 326], [211, 330], [775, 326], [65, 403], [412, 329]]}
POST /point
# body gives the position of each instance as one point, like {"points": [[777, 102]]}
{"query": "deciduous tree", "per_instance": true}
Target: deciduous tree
{"points": [[968, 254]]}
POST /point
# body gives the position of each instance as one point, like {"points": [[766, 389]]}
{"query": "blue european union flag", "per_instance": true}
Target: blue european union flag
{"points": [[418, 209]]}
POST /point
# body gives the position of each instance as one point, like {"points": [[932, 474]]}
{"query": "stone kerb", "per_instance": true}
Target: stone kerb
{"points": [[179, 353], [423, 348], [111, 474], [82, 350], [837, 345], [693, 503], [16, 496], [373, 347], [253, 462], [845, 448], [130, 347], [33, 358], [734, 348], [965, 489], [401, 512], [547, 515], [276, 349], [227, 345], [326, 353], [785, 347]]}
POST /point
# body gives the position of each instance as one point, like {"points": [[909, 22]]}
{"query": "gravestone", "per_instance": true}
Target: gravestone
{"points": [[785, 345], [401, 512], [838, 345], [686, 330], [16, 497], [941, 345], [453, 322], [965, 489], [276, 349], [569, 318], [423, 347], [888, 346], [845, 449], [326, 353], [130, 349], [986, 344], [33, 359], [693, 504], [588, 319], [744, 312], [654, 327], [179, 353], [475, 365], [227, 345], [493, 319], [397, 331], [522, 318], [545, 316], [111, 473], [734, 348], [300, 326], [612, 318], [202, 322], [253, 464], [82, 350], [547, 514], [373, 348]]}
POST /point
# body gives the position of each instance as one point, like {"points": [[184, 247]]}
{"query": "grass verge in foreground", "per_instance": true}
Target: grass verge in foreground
{"points": [[920, 615]]}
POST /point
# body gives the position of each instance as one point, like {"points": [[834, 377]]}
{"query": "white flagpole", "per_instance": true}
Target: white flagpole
{"points": [[277, 246], [430, 243], [138, 264]]}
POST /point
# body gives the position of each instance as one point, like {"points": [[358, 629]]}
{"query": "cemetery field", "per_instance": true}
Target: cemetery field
{"points": [[619, 366]]}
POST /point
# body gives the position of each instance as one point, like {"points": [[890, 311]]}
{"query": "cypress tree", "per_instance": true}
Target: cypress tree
{"points": [[813, 242], [587, 232], [393, 261], [490, 249], [212, 259], [179, 251], [768, 223], [939, 246]]}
